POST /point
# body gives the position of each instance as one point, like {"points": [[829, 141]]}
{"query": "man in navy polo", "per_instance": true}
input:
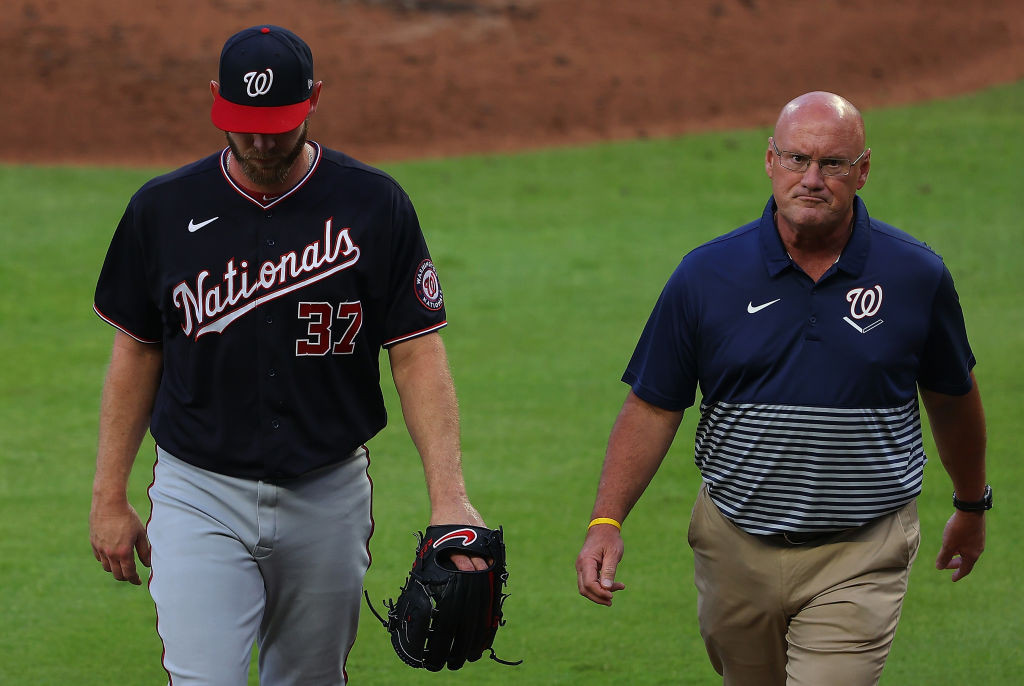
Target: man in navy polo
{"points": [[810, 333]]}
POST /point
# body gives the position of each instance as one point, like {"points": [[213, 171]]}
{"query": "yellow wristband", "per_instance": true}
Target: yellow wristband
{"points": [[605, 520]]}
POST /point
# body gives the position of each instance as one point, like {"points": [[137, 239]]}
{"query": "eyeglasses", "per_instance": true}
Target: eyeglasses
{"points": [[829, 166]]}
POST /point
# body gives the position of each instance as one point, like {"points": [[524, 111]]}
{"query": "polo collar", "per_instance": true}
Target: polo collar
{"points": [[853, 259]]}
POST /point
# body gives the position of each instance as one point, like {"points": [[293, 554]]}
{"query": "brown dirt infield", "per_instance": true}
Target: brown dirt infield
{"points": [[126, 82]]}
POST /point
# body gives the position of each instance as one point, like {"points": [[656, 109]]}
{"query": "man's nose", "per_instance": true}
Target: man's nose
{"points": [[813, 178], [264, 143]]}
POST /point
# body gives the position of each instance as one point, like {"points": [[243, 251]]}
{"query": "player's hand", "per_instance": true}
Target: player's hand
{"points": [[963, 541], [597, 562], [470, 563], [116, 534], [462, 513]]}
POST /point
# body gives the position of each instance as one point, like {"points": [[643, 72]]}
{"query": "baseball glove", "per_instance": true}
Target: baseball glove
{"points": [[444, 615]]}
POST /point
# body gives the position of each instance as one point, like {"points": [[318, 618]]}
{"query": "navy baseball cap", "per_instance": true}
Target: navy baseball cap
{"points": [[266, 79]]}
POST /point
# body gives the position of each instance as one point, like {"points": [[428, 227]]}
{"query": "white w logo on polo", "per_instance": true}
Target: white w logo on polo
{"points": [[864, 302], [258, 83]]}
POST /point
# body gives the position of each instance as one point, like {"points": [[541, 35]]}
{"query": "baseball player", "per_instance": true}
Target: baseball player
{"points": [[252, 292]]}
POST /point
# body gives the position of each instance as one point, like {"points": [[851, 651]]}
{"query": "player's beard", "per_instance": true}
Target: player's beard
{"points": [[268, 176]]}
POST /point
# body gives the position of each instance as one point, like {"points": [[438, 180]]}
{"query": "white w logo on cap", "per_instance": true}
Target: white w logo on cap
{"points": [[258, 83]]}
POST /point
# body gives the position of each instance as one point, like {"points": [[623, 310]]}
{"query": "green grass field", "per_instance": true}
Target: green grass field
{"points": [[550, 263]]}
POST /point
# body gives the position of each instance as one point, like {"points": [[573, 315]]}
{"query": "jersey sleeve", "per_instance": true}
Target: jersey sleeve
{"points": [[663, 370], [415, 299], [947, 359], [122, 296]]}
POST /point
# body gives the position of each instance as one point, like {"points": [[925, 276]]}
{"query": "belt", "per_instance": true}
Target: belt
{"points": [[796, 538]]}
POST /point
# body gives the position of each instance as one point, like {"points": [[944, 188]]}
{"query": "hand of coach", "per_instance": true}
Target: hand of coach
{"points": [[638, 443]]}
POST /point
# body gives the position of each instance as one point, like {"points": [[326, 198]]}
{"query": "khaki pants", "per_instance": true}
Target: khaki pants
{"points": [[819, 614]]}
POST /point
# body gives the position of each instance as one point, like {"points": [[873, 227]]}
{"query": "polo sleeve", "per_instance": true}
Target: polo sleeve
{"points": [[946, 359], [663, 370], [415, 299], [123, 298]]}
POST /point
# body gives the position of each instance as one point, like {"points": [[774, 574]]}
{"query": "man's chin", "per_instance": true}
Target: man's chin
{"points": [[265, 172], [809, 218]]}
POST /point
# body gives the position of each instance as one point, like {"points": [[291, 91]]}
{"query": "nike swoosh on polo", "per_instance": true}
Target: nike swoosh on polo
{"points": [[193, 227], [751, 308]]}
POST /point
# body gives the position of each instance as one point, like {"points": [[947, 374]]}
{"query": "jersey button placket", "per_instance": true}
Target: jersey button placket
{"points": [[811, 331], [269, 252], [271, 376]]}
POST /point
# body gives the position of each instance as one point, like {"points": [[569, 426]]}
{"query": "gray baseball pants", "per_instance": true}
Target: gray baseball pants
{"points": [[237, 561]]}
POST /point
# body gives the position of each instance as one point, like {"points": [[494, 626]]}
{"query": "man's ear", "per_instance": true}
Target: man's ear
{"points": [[214, 88], [314, 96], [863, 168]]}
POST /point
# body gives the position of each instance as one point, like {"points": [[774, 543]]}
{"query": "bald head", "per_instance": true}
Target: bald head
{"points": [[818, 110]]}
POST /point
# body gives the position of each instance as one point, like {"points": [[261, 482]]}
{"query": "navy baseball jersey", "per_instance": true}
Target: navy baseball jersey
{"points": [[809, 416], [271, 311]]}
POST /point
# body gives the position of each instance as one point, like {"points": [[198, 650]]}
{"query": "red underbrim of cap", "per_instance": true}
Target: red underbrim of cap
{"points": [[229, 116]]}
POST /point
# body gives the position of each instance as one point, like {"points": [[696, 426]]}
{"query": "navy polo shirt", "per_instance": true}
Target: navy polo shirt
{"points": [[809, 416]]}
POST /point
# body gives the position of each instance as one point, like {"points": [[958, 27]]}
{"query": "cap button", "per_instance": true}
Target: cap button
{"points": [[264, 30]]}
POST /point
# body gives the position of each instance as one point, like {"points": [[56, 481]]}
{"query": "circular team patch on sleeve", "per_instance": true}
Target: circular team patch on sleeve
{"points": [[427, 287]]}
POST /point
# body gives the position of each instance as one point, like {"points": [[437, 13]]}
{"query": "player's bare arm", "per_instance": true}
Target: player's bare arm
{"points": [[638, 443], [958, 425], [420, 369], [116, 532]]}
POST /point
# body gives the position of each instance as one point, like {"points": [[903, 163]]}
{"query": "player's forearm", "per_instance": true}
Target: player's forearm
{"points": [[128, 395], [958, 426], [639, 440], [429, 406]]}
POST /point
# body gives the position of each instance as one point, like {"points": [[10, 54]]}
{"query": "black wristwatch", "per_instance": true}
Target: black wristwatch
{"points": [[975, 506]]}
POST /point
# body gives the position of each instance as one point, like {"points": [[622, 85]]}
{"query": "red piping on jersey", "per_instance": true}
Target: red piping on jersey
{"points": [[369, 557], [415, 334], [163, 648], [120, 328], [276, 199]]}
